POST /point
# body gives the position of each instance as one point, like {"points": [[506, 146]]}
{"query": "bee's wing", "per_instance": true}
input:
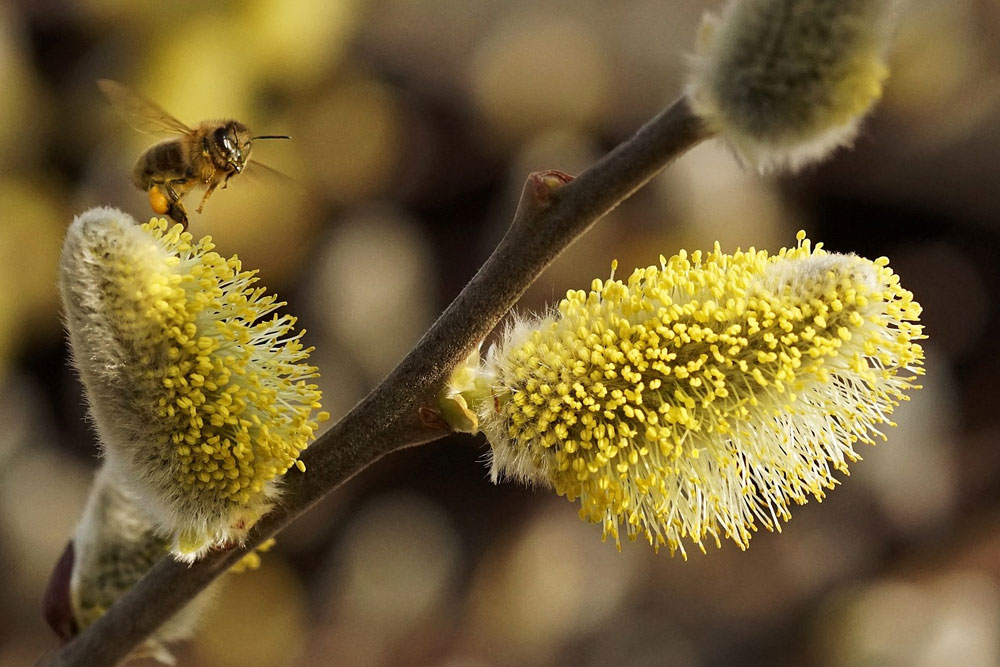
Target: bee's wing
{"points": [[142, 114], [259, 170]]}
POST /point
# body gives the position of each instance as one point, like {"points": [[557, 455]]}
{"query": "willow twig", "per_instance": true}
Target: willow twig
{"points": [[554, 210]]}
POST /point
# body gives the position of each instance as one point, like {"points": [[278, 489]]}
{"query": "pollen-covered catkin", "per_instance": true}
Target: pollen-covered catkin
{"points": [[785, 82], [701, 398], [201, 395]]}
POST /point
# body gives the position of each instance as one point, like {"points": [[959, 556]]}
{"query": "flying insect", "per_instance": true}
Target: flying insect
{"points": [[206, 155]]}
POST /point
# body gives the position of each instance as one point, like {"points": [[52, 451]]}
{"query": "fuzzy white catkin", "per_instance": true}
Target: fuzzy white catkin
{"points": [[114, 545], [785, 82]]}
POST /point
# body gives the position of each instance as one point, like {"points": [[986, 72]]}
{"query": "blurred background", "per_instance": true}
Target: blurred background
{"points": [[414, 125]]}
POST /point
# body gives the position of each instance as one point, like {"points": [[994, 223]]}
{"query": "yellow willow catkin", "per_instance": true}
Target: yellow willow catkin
{"points": [[702, 397], [785, 82], [201, 395]]}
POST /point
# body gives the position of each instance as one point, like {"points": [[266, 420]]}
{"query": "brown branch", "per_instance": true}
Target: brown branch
{"points": [[554, 210]]}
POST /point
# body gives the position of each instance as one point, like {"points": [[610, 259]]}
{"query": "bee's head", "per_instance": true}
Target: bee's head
{"points": [[232, 143]]}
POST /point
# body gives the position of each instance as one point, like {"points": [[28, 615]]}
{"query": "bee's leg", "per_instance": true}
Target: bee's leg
{"points": [[175, 209], [208, 193], [178, 214], [164, 200]]}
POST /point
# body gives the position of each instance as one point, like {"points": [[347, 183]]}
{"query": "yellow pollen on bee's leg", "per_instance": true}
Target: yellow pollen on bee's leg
{"points": [[158, 200]]}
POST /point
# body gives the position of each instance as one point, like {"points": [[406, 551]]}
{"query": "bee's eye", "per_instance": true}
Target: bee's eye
{"points": [[222, 139]]}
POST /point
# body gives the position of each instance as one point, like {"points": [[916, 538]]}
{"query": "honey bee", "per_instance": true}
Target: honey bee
{"points": [[209, 154]]}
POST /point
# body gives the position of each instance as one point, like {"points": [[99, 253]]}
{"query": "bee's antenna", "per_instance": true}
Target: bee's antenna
{"points": [[271, 136]]}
